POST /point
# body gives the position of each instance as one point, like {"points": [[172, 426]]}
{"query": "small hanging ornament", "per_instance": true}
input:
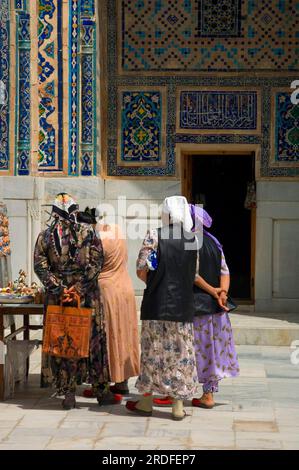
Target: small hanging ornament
{"points": [[250, 200]]}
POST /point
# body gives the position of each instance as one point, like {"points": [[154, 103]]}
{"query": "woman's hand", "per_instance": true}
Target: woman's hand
{"points": [[69, 294], [217, 292], [222, 299]]}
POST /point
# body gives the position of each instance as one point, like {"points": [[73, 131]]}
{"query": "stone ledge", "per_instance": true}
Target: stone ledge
{"points": [[265, 329]]}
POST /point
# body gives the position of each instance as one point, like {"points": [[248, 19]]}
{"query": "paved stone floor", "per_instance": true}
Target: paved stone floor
{"points": [[258, 410]]}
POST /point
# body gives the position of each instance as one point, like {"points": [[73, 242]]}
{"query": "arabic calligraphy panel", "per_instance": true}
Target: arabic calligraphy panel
{"points": [[229, 111]]}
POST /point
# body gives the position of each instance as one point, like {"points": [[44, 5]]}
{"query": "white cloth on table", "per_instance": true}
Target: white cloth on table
{"points": [[17, 353]]}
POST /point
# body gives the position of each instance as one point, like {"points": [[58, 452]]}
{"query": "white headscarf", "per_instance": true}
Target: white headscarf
{"points": [[177, 208]]}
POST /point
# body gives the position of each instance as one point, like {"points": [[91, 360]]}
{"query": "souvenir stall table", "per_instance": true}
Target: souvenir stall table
{"points": [[13, 309], [17, 302]]}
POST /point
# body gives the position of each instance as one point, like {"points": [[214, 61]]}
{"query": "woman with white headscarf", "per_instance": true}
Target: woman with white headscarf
{"points": [[167, 351]]}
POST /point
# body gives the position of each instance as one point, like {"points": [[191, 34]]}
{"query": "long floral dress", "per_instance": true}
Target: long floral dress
{"points": [[79, 268], [168, 365], [216, 357]]}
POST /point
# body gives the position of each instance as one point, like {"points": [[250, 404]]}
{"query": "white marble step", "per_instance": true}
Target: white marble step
{"points": [[265, 329], [262, 329]]}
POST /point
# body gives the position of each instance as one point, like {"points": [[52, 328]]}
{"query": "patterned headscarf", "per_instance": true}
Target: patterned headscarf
{"points": [[202, 219], [64, 207], [65, 227]]}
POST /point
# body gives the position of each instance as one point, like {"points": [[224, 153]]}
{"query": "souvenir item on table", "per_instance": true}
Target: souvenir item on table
{"points": [[5, 257], [152, 261], [18, 291], [4, 232]]}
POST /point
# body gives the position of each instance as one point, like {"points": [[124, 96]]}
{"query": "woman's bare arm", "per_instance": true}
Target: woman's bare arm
{"points": [[200, 282], [142, 274]]}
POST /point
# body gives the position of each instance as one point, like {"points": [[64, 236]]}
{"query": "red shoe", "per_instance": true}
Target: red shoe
{"points": [[200, 404], [117, 398], [131, 406], [165, 401]]}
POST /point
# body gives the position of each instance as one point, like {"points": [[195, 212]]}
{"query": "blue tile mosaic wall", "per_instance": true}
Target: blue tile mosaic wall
{"points": [[150, 45], [78, 27], [4, 84], [208, 35]]}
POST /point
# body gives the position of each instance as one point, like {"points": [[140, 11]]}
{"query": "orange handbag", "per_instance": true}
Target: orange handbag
{"points": [[67, 331]]}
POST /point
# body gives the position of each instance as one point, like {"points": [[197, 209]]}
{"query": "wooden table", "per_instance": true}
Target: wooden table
{"points": [[24, 310]]}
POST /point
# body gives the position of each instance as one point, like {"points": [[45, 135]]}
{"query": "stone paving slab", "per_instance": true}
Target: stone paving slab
{"points": [[258, 410]]}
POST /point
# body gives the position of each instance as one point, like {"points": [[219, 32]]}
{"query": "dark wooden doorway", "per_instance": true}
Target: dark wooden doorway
{"points": [[219, 182]]}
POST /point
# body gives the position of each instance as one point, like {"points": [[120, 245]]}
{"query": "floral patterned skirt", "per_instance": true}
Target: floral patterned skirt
{"points": [[216, 357], [168, 364]]}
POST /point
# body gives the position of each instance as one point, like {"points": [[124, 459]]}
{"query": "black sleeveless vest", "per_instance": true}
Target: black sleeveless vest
{"points": [[169, 292], [209, 263]]}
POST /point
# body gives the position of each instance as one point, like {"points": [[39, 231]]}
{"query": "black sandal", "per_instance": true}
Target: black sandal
{"points": [[119, 391], [108, 398]]}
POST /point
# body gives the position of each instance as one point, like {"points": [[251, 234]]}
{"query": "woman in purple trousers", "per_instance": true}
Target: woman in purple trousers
{"points": [[215, 352]]}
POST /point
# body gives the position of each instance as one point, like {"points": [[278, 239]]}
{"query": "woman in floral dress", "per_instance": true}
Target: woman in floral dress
{"points": [[167, 350], [68, 257], [215, 352]]}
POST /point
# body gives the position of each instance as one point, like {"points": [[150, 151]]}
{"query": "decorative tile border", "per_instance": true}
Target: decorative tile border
{"points": [[88, 148], [4, 85], [74, 32], [50, 86], [82, 92], [23, 94]]}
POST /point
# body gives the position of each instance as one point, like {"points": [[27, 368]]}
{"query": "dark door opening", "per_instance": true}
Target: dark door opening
{"points": [[219, 182]]}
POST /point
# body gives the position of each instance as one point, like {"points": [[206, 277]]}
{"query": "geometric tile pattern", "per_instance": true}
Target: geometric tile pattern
{"points": [[50, 85], [88, 90], [210, 110], [23, 118], [286, 129], [208, 35], [74, 35], [141, 126], [4, 84], [82, 77], [65, 51], [154, 51], [219, 18]]}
